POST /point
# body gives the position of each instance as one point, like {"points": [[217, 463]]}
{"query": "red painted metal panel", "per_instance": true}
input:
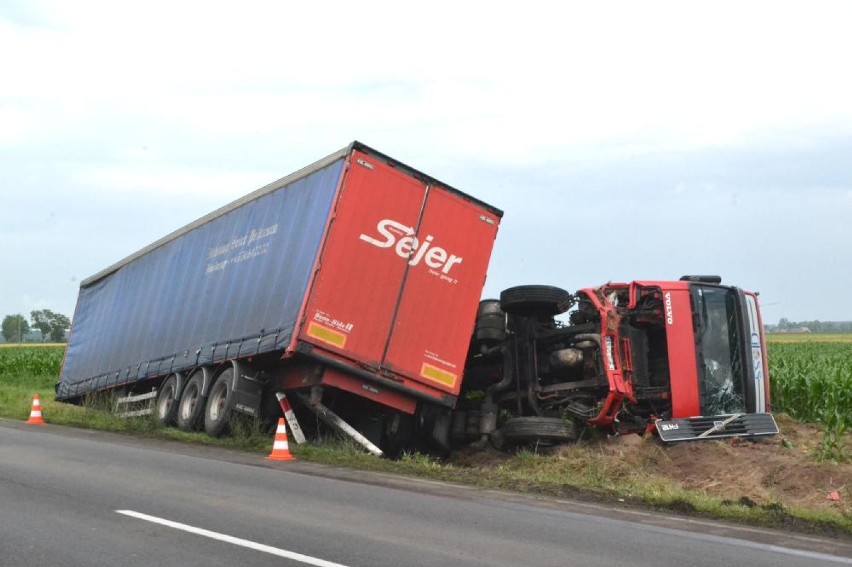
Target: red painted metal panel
{"points": [[680, 340], [400, 277], [312, 374], [353, 301], [378, 394], [448, 259]]}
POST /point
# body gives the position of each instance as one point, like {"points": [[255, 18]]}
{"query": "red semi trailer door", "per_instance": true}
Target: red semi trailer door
{"points": [[441, 292], [400, 275]]}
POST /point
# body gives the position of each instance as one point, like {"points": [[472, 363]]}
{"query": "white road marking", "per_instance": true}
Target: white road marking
{"points": [[233, 540]]}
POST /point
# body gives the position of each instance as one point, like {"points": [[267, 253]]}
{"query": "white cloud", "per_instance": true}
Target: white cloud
{"points": [[188, 105], [176, 184], [545, 76]]}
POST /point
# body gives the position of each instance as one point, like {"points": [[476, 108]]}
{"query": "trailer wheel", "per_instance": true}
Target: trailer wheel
{"points": [[217, 413], [526, 430], [191, 406], [167, 402], [532, 300]]}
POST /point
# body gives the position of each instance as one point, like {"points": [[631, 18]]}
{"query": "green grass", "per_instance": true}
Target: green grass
{"points": [[29, 370], [25, 371]]}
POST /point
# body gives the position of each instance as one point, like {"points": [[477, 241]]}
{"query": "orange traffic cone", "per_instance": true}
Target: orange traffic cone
{"points": [[35, 414], [280, 448]]}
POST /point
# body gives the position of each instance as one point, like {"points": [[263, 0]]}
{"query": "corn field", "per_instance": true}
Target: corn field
{"points": [[812, 382], [22, 361]]}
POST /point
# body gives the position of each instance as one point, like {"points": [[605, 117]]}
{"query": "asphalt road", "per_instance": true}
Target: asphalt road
{"points": [[78, 498]]}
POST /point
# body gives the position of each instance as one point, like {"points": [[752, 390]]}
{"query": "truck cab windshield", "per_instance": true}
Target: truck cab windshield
{"points": [[719, 345]]}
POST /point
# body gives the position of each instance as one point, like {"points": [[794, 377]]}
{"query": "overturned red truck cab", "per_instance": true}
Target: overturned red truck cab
{"points": [[684, 358]]}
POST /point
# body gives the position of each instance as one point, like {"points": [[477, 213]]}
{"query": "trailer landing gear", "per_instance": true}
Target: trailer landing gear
{"points": [[334, 421]]}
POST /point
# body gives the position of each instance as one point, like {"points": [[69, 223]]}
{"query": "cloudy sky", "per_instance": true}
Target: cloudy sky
{"points": [[624, 140]]}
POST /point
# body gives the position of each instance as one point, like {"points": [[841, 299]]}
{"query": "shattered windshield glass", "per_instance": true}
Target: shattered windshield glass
{"points": [[722, 351]]}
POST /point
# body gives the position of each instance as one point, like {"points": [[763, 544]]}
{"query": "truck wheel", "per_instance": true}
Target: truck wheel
{"points": [[167, 402], [191, 406], [532, 300], [218, 412], [525, 430]]}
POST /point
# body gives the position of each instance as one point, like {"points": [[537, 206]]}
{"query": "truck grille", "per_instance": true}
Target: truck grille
{"points": [[716, 427]]}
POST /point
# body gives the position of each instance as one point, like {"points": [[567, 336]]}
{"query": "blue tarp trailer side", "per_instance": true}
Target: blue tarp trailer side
{"points": [[229, 285]]}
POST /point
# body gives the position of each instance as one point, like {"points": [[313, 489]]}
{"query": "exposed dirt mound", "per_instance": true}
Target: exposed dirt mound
{"points": [[780, 471]]}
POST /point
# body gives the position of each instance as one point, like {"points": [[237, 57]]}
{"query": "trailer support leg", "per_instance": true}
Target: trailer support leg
{"points": [[333, 420]]}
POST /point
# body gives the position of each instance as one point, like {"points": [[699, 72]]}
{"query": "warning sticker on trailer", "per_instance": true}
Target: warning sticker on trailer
{"points": [[326, 335], [333, 324], [438, 375]]}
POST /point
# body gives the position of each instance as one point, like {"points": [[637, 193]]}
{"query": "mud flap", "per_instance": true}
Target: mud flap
{"points": [[246, 390], [716, 427]]}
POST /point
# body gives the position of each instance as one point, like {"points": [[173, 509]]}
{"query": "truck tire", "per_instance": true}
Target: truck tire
{"points": [[217, 412], [191, 406], [526, 430], [167, 402], [532, 300]]}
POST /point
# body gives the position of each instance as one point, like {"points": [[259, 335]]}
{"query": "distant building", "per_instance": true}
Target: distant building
{"points": [[34, 336]]}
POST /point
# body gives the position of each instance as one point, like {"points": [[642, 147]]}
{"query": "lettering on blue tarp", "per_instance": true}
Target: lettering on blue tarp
{"points": [[241, 249]]}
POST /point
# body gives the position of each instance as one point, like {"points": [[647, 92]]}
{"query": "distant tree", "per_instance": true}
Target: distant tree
{"points": [[41, 320], [14, 328], [50, 324], [59, 325], [816, 326]]}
